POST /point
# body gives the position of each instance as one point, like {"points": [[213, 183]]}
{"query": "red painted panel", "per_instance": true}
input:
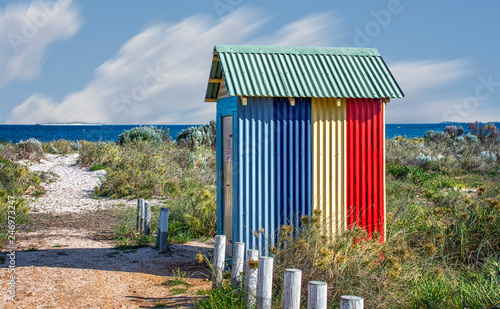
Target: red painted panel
{"points": [[365, 165]]}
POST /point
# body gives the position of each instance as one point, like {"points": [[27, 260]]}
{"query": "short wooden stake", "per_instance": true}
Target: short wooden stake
{"points": [[351, 302], [265, 283], [251, 272], [147, 218], [291, 288], [139, 215], [237, 266], [162, 235], [317, 295], [142, 212], [219, 256]]}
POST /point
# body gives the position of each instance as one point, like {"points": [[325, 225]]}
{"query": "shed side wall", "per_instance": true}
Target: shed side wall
{"points": [[365, 165], [328, 155]]}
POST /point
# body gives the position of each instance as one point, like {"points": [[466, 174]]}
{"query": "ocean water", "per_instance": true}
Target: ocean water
{"points": [[15, 133], [45, 133]]}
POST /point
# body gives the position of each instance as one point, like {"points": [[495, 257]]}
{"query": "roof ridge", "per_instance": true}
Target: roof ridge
{"points": [[308, 50]]}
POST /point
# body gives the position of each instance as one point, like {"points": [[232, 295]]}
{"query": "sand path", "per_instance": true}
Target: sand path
{"points": [[65, 258]]}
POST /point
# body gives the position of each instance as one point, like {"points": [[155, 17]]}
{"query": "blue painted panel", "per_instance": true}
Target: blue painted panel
{"points": [[225, 107], [227, 103], [273, 168]]}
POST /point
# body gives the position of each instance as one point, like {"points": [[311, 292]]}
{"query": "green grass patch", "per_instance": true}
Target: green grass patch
{"points": [[97, 167], [222, 298]]}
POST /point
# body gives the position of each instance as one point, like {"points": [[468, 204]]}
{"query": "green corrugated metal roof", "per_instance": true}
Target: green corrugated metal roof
{"points": [[275, 71]]}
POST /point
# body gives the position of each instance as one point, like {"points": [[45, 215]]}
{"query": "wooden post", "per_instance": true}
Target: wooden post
{"points": [[138, 220], [219, 257], [265, 283], [141, 216], [251, 271], [162, 235], [291, 288], [147, 218], [157, 245], [237, 267], [317, 292], [351, 302]]}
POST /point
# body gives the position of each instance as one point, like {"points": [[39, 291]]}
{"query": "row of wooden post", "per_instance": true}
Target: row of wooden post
{"points": [[143, 224], [259, 280]]}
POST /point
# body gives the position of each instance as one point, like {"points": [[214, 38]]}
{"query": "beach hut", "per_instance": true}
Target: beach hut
{"points": [[299, 129]]}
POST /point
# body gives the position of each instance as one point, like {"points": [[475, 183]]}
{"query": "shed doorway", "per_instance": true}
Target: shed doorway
{"points": [[227, 180]]}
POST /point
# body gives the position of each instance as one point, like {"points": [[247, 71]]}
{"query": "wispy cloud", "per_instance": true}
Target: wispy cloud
{"points": [[160, 75], [419, 76], [426, 87], [314, 30], [27, 31]]}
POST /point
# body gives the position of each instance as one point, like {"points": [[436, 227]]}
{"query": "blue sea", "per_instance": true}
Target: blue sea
{"points": [[44, 133]]}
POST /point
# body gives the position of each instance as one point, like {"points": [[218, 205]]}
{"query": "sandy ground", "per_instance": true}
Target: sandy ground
{"points": [[72, 192], [65, 258]]}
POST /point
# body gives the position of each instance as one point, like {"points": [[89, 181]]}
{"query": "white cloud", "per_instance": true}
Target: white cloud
{"points": [[313, 30], [425, 85], [419, 76], [160, 75], [27, 31]]}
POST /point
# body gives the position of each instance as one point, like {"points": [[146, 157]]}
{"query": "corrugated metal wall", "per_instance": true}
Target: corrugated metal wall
{"points": [[274, 167], [328, 155], [365, 165]]}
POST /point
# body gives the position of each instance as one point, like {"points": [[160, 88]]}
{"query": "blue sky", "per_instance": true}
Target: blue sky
{"points": [[147, 62]]}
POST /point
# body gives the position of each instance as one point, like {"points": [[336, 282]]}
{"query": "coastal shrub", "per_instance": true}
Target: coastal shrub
{"points": [[424, 161], [399, 171], [198, 136], [484, 132], [454, 131], [30, 149], [435, 136], [488, 156], [401, 150], [61, 146], [17, 183], [471, 138], [194, 215], [75, 145], [141, 135]]}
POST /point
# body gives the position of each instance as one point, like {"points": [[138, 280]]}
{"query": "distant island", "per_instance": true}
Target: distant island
{"points": [[70, 123], [453, 122]]}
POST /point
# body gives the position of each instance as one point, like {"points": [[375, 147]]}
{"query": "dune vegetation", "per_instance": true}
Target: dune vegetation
{"points": [[443, 213]]}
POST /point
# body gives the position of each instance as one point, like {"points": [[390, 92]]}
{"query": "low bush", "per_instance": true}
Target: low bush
{"points": [[198, 136], [30, 149], [17, 183], [60, 147], [142, 135]]}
